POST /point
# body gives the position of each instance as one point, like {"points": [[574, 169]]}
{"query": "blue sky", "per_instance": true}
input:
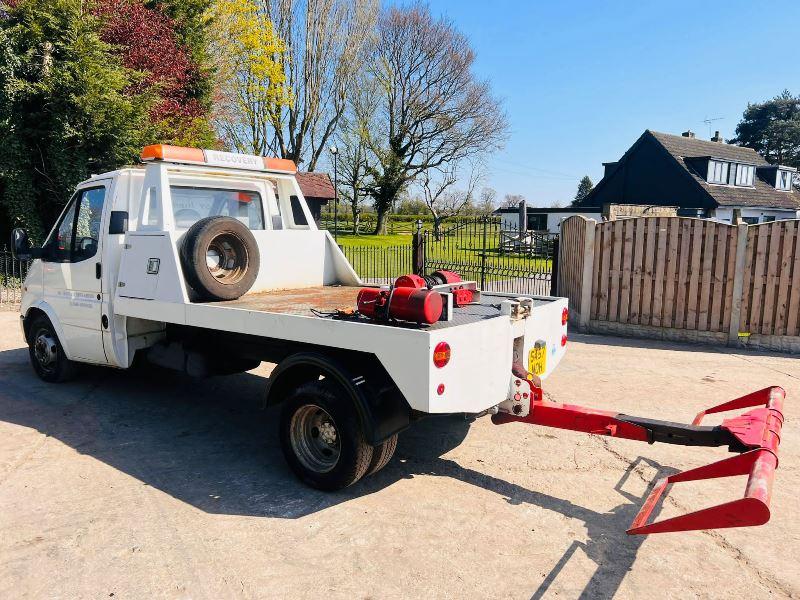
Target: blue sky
{"points": [[580, 81]]}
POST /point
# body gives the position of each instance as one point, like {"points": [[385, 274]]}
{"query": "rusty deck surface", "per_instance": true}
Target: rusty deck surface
{"points": [[303, 301], [297, 301]]}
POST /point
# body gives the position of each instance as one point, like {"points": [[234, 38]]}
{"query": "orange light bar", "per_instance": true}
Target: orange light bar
{"points": [[165, 152], [216, 158], [280, 164]]}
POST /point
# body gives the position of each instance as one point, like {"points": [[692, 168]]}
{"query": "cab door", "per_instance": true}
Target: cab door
{"points": [[72, 273]]}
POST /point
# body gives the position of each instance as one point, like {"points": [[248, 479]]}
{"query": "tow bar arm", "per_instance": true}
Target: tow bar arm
{"points": [[753, 435]]}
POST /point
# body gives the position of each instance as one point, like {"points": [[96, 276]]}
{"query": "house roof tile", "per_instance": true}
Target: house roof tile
{"points": [[315, 185]]}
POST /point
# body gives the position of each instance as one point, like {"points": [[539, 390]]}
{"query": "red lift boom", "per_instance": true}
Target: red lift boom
{"points": [[753, 435]]}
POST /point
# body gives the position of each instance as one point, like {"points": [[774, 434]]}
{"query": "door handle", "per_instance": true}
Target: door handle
{"points": [[98, 270]]}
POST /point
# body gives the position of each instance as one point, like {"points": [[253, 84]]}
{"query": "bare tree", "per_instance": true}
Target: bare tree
{"points": [[432, 112], [325, 47], [486, 200], [442, 199], [512, 200]]}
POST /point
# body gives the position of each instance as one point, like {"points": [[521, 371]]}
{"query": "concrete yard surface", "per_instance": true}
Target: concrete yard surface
{"points": [[147, 484]]}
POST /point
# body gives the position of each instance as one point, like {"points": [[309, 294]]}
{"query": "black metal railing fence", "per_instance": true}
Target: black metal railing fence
{"points": [[12, 274]]}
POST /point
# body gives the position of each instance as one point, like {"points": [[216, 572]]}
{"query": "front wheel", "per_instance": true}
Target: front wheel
{"points": [[322, 437], [46, 353]]}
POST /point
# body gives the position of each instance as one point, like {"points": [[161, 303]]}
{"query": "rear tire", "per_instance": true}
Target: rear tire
{"points": [[322, 438], [47, 354], [382, 454], [220, 258]]}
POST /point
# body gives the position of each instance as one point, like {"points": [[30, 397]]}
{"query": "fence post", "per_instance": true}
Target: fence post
{"points": [[738, 285], [554, 269], [483, 255], [418, 250], [587, 278]]}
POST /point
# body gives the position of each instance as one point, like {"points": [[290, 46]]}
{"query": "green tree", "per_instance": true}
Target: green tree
{"points": [[63, 111], [584, 187], [772, 129]]}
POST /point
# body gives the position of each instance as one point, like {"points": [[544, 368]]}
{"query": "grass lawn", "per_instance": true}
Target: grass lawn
{"points": [[387, 256], [374, 241]]}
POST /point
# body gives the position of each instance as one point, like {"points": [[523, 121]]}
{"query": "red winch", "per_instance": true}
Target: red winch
{"points": [[413, 298], [401, 302]]}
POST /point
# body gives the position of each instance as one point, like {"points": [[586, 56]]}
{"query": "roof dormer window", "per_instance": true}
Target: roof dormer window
{"points": [[731, 173], [744, 175], [783, 180], [718, 171]]}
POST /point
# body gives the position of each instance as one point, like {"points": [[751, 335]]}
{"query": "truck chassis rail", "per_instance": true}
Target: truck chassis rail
{"points": [[753, 435]]}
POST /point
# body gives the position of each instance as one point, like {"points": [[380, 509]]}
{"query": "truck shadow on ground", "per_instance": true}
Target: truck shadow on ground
{"points": [[208, 443]]}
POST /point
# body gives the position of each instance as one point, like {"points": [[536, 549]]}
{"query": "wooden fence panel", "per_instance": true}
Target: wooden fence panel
{"points": [[679, 273], [771, 293]]}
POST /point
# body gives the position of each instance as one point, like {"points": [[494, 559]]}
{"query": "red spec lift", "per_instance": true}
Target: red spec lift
{"points": [[753, 435]]}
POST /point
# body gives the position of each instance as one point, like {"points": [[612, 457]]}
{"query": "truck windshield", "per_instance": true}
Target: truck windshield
{"points": [[190, 204]]}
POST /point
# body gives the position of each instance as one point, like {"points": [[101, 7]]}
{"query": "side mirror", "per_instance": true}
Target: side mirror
{"points": [[21, 246], [118, 223]]}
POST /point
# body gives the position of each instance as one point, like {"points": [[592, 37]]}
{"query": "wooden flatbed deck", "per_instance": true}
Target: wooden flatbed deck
{"points": [[304, 301], [297, 301]]}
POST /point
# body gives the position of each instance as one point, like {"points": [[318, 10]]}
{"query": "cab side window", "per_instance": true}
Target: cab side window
{"points": [[60, 242], [77, 235], [87, 224]]}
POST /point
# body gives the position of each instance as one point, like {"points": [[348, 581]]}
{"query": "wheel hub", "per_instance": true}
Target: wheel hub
{"points": [[315, 438], [226, 258], [45, 349]]}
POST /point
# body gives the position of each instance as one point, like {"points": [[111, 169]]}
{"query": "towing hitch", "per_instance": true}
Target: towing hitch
{"points": [[753, 435]]}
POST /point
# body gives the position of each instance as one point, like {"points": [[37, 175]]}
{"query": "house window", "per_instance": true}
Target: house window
{"points": [[744, 175], [718, 171], [767, 219], [750, 220], [727, 173], [784, 181]]}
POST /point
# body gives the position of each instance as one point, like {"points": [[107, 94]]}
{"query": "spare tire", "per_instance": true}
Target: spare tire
{"points": [[220, 258]]}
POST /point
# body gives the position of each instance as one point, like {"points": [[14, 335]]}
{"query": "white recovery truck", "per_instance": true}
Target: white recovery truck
{"points": [[210, 263]]}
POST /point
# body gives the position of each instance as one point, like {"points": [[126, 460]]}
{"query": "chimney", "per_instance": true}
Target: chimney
{"points": [[688, 133], [717, 137]]}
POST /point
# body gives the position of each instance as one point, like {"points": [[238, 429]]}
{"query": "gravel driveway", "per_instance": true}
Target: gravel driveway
{"points": [[145, 484]]}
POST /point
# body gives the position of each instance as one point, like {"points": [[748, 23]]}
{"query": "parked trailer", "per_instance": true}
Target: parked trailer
{"points": [[210, 262]]}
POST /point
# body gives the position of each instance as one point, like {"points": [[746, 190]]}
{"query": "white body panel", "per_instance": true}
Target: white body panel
{"points": [[142, 289]]}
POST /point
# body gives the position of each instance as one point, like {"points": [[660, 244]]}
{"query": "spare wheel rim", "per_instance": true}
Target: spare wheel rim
{"points": [[226, 258]]}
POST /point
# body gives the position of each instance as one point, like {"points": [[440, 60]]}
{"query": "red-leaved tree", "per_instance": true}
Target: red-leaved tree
{"points": [[146, 42]]}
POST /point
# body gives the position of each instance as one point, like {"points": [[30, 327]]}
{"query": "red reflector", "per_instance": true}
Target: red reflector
{"points": [[440, 389], [441, 354], [564, 316], [563, 340]]}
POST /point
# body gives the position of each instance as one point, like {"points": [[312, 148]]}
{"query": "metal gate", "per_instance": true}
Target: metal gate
{"points": [[499, 259]]}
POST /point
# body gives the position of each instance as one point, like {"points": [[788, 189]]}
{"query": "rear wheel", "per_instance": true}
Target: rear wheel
{"points": [[46, 353], [322, 437], [382, 454]]}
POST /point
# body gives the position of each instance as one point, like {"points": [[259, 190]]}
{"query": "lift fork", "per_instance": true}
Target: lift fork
{"points": [[753, 435]]}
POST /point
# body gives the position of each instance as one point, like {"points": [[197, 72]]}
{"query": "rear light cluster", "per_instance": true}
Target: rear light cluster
{"points": [[564, 316], [441, 354]]}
